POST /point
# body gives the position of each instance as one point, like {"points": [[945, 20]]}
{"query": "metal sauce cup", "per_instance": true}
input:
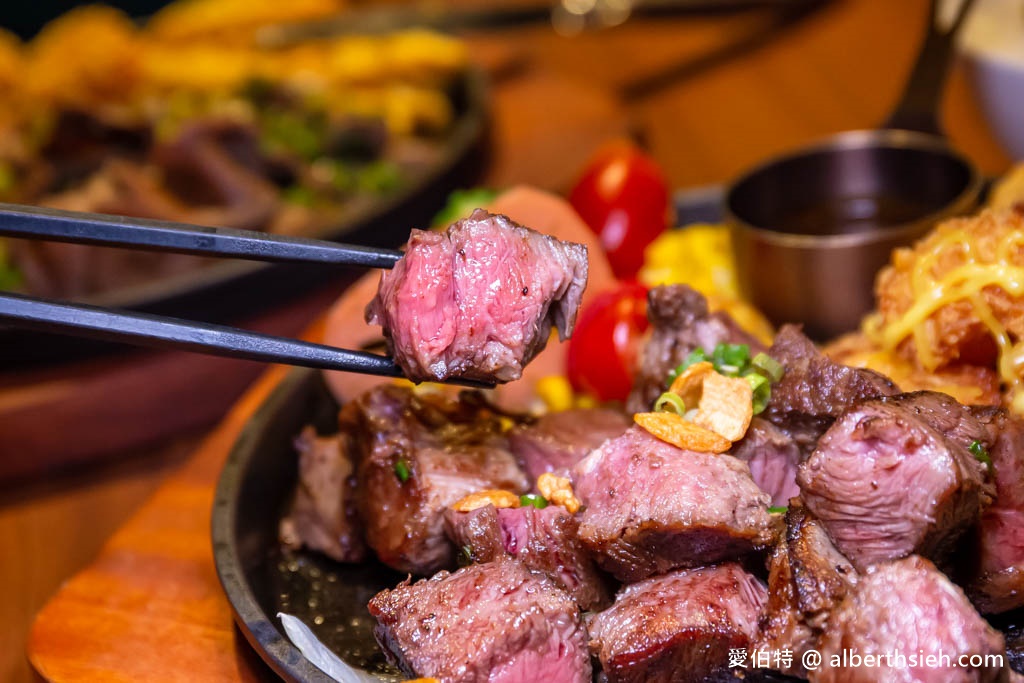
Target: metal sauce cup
{"points": [[811, 229]]}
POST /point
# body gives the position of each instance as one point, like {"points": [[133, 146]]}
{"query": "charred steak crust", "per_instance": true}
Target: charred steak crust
{"points": [[807, 578], [557, 441], [448, 448], [815, 390], [544, 540], [859, 478], [650, 507], [478, 301], [495, 622], [322, 515], [909, 607], [678, 627], [680, 323]]}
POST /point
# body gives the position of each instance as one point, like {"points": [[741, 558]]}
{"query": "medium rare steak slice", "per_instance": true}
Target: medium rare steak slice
{"points": [[680, 323], [773, 457], [495, 622], [907, 607], [557, 441], [544, 540], [322, 515], [650, 507], [416, 456], [478, 301], [998, 583], [678, 627], [815, 390], [886, 483], [807, 578]]}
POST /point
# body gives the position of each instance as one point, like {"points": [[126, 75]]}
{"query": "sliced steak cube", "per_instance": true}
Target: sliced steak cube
{"points": [[680, 323], [886, 483], [479, 300], [997, 584], [557, 441], [907, 607], [322, 515], [807, 578], [650, 507], [495, 622], [416, 456], [815, 390], [678, 627], [544, 540], [773, 457]]}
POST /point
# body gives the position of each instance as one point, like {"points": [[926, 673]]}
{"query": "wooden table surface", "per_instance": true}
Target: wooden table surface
{"points": [[709, 96]]}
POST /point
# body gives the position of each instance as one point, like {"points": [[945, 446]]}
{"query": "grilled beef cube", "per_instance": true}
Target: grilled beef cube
{"points": [[322, 515], [907, 607], [417, 456], [814, 390], [807, 578], [998, 582], [494, 622], [557, 441], [773, 457], [678, 627], [680, 323], [479, 300], [887, 483], [544, 540], [650, 507]]}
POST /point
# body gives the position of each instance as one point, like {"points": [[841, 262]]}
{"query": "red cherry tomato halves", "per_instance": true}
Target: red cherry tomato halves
{"points": [[623, 197], [603, 351]]}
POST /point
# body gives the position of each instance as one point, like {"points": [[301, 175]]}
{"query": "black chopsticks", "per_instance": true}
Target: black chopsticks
{"points": [[172, 333], [31, 222]]}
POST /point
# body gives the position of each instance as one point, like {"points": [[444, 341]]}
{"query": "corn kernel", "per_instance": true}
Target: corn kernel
{"points": [[556, 392]]}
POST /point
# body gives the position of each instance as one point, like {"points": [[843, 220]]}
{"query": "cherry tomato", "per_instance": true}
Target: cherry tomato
{"points": [[623, 197], [604, 347]]}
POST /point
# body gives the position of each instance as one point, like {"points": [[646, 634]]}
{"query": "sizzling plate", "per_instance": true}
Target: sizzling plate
{"points": [[258, 477]]}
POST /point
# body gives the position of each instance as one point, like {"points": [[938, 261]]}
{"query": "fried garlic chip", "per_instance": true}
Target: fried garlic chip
{"points": [[496, 497], [676, 430], [724, 404]]}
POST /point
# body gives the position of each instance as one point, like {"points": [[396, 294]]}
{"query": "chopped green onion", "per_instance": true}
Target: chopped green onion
{"points": [[762, 391], [778, 510], [769, 367], [733, 360], [670, 403], [402, 471], [730, 359], [465, 556], [698, 355], [980, 452], [537, 501]]}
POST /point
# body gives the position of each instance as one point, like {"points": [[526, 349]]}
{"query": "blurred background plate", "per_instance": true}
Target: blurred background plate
{"points": [[232, 291]]}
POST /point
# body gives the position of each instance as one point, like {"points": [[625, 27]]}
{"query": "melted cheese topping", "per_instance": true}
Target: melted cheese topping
{"points": [[965, 282]]}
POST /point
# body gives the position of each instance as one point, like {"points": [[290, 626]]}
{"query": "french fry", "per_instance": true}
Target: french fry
{"points": [[496, 497], [677, 431]]}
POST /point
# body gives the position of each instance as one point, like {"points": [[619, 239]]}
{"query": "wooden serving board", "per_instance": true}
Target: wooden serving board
{"points": [[150, 607]]}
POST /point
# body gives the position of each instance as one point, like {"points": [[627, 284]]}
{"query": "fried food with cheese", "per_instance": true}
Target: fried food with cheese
{"points": [[956, 298], [957, 295], [968, 384]]}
